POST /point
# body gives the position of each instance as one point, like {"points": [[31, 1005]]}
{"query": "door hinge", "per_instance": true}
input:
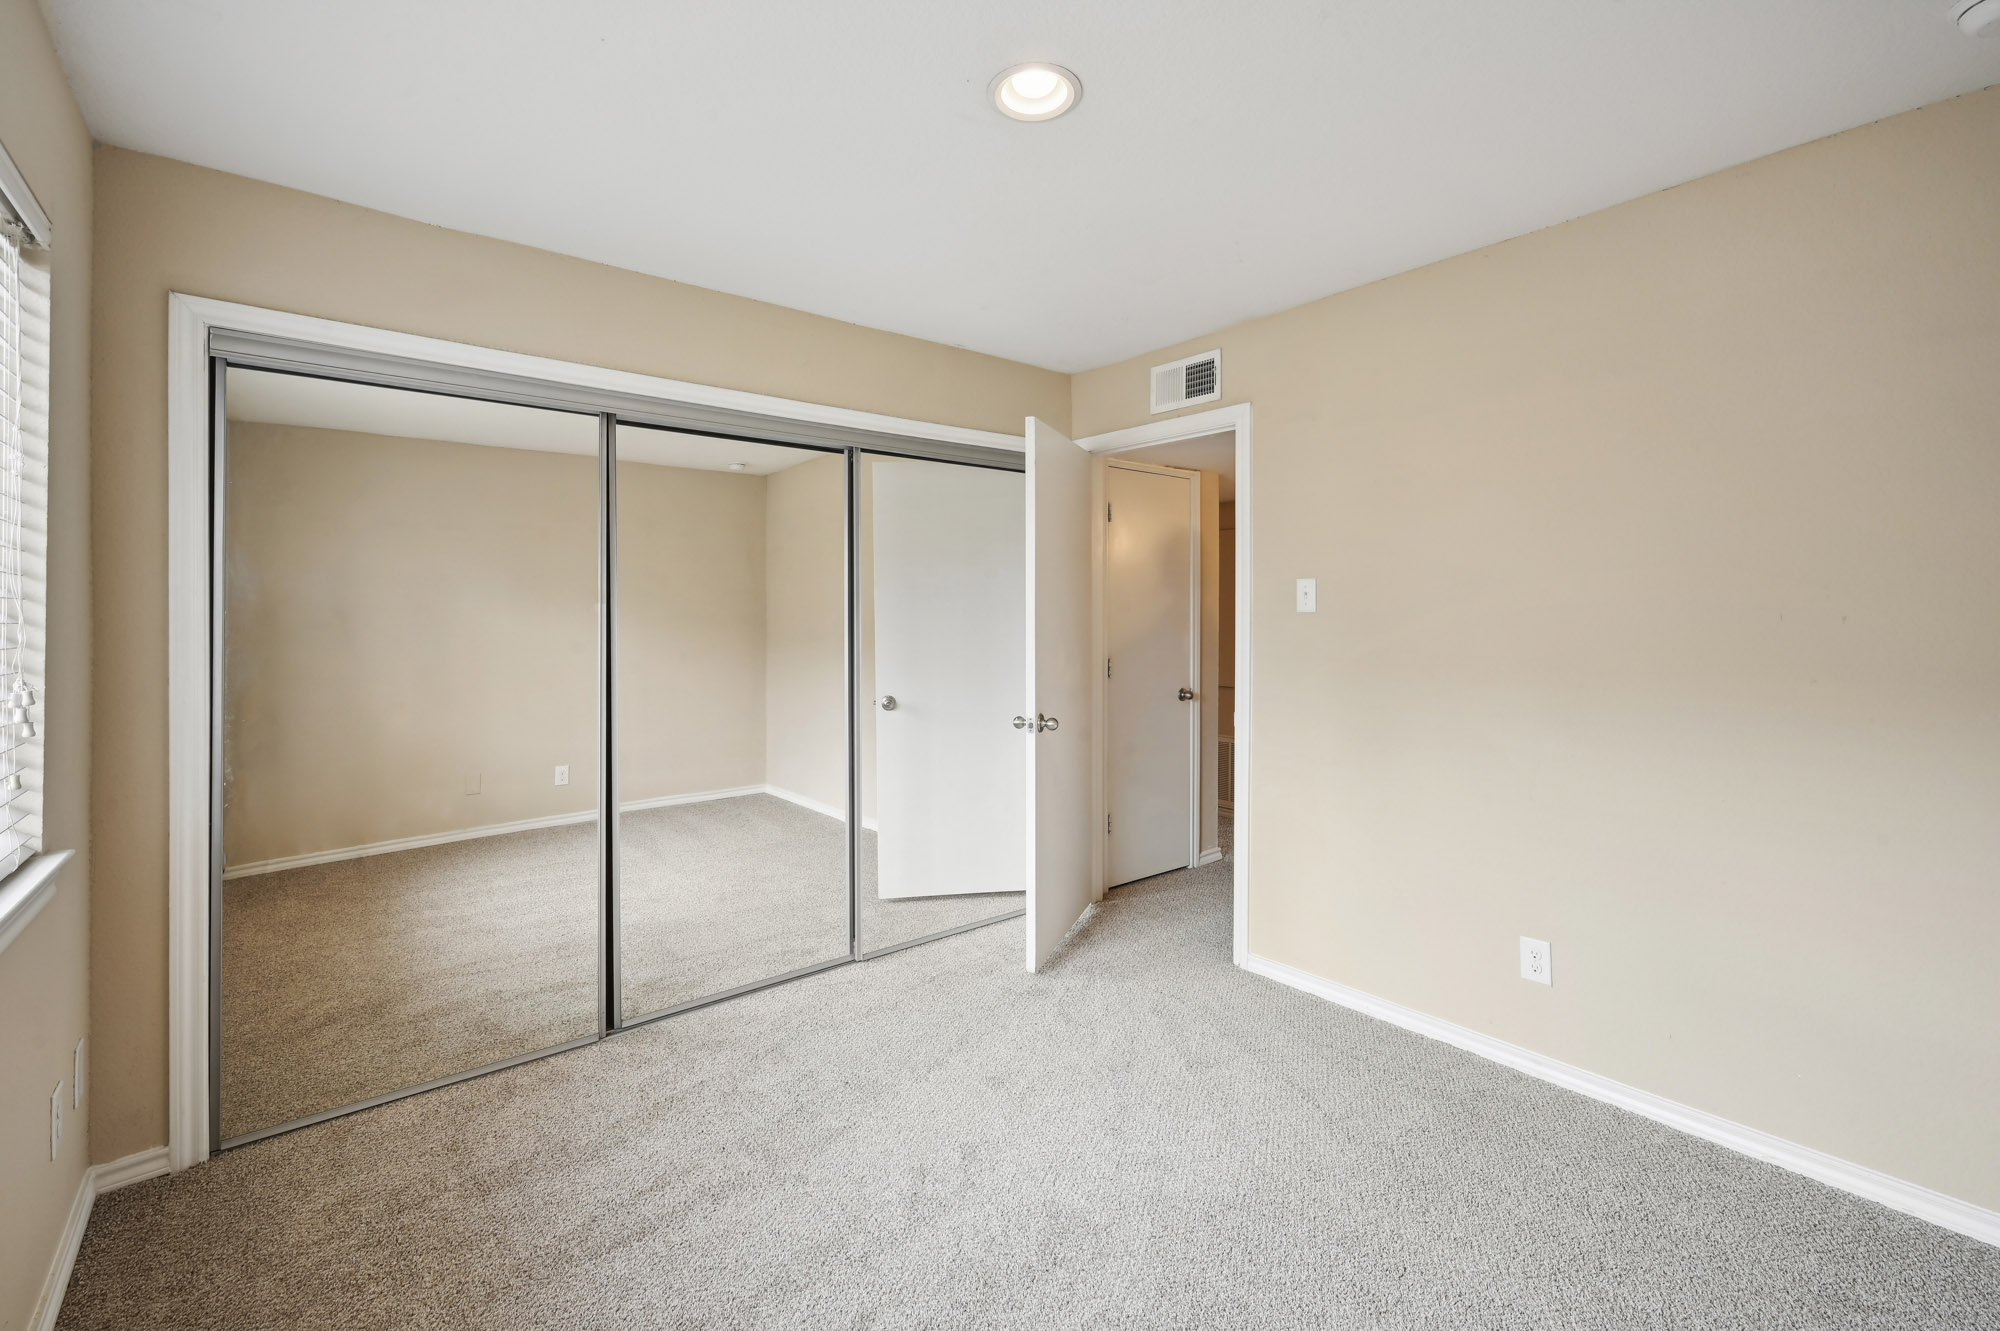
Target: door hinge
{"points": [[1107, 667], [1107, 512], [1107, 824]]}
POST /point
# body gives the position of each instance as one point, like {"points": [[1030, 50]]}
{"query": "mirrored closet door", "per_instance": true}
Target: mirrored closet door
{"points": [[534, 724], [408, 745], [730, 716]]}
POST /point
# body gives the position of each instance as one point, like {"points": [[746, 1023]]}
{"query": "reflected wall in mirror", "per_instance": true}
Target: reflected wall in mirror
{"points": [[944, 661], [410, 741], [731, 715]]}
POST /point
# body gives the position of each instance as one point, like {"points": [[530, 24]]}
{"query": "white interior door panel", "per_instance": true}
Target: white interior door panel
{"points": [[1061, 669]]}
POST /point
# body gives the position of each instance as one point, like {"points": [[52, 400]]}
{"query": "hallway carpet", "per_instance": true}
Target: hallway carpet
{"points": [[1141, 1136]]}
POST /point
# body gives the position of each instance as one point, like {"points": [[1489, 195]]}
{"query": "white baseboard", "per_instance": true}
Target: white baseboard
{"points": [[1898, 1194], [96, 1180], [134, 1168], [1209, 856], [817, 806], [698, 797], [56, 1283], [474, 833]]}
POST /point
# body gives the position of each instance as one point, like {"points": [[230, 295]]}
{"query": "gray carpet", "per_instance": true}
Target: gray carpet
{"points": [[1141, 1136], [347, 980]]}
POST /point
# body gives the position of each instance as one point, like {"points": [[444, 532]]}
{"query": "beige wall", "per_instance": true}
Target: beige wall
{"points": [[166, 226], [1659, 616], [805, 607], [405, 613], [691, 656], [44, 987]]}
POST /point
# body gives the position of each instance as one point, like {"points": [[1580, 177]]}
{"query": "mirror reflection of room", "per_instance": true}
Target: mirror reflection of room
{"points": [[731, 715], [411, 886], [410, 741], [943, 645], [732, 709]]}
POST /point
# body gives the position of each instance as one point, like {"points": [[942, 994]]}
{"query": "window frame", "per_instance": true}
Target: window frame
{"points": [[27, 870]]}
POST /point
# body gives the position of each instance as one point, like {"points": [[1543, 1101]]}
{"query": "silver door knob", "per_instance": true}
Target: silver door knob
{"points": [[1047, 723], [1022, 723], [1187, 695], [887, 702]]}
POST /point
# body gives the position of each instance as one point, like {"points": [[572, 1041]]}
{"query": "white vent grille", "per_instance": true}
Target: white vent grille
{"points": [[1225, 773], [1184, 383]]}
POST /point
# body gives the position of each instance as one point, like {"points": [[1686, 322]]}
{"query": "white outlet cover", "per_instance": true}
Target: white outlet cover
{"points": [[1308, 595], [55, 1121], [562, 775], [1535, 960], [76, 1078]]}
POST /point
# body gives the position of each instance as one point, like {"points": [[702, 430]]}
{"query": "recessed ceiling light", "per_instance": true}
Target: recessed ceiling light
{"points": [[1979, 18], [739, 466], [1036, 91]]}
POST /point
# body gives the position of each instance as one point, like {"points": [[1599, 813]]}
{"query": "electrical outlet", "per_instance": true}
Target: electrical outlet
{"points": [[1535, 960], [473, 782], [76, 1078], [55, 1120], [562, 775], [1308, 595]]}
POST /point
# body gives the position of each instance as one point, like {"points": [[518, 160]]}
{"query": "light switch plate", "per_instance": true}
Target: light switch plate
{"points": [[55, 1121], [76, 1078], [1535, 960], [1308, 595]]}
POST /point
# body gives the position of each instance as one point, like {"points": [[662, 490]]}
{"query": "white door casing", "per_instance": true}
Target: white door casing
{"points": [[1061, 658], [1152, 742], [949, 619], [189, 322]]}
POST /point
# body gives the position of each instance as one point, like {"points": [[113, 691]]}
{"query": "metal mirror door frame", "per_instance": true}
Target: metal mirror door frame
{"points": [[257, 352]]}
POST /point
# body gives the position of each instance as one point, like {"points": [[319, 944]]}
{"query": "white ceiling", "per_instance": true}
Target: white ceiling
{"points": [[1227, 160], [329, 404]]}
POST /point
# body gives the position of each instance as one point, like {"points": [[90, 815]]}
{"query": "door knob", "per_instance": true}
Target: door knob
{"points": [[1039, 723], [1187, 695], [887, 702], [1022, 723]]}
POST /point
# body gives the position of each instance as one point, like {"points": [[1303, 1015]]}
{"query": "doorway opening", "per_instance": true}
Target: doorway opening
{"points": [[1173, 595], [1169, 531], [1159, 600]]}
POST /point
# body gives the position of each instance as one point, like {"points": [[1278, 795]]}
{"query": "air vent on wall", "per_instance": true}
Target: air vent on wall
{"points": [[1183, 383]]}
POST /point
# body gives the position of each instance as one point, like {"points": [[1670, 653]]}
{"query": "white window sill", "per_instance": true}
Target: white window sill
{"points": [[26, 891]]}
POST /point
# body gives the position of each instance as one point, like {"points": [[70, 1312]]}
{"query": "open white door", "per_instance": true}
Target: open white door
{"points": [[947, 554], [1062, 828]]}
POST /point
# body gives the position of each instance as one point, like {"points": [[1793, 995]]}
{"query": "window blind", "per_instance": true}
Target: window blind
{"points": [[23, 546]]}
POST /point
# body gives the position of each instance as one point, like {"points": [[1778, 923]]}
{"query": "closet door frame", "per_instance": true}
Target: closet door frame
{"points": [[205, 338]]}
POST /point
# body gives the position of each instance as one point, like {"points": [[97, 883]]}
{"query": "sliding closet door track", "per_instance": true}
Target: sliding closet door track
{"points": [[244, 1139]]}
